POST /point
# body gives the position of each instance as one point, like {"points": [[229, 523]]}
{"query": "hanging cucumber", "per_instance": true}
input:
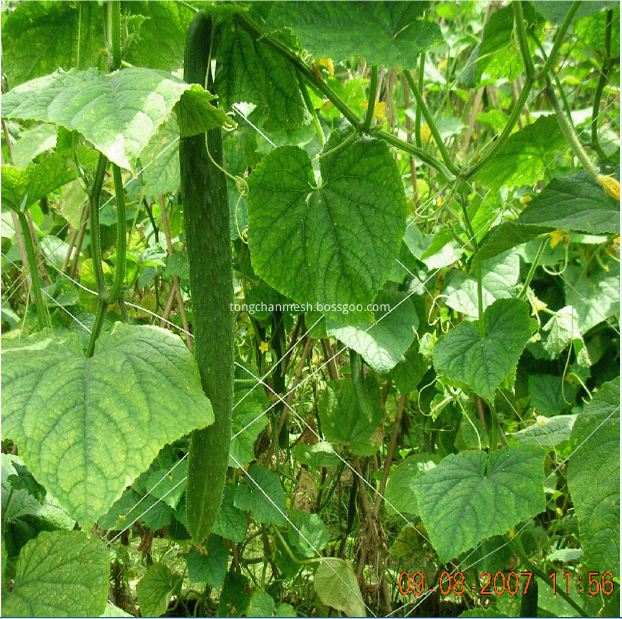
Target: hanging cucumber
{"points": [[206, 221]]}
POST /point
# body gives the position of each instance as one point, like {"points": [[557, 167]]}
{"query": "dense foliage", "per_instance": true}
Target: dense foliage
{"points": [[424, 223]]}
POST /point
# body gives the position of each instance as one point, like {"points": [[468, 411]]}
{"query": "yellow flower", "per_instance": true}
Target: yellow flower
{"points": [[263, 348], [526, 199], [439, 202], [328, 64], [560, 511], [442, 64], [537, 305], [610, 185], [617, 240], [556, 237], [378, 110], [426, 134], [541, 420]]}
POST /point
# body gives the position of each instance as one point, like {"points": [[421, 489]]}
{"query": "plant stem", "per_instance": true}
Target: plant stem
{"points": [[601, 85], [309, 104], [291, 554], [42, 315], [431, 124], [494, 426], [420, 77], [569, 133], [507, 130], [559, 39], [114, 14], [519, 27], [371, 102], [532, 269], [119, 274], [96, 251], [541, 575]]}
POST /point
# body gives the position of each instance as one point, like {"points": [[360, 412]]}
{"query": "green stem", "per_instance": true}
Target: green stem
{"points": [[516, 112], [431, 124], [301, 66], [291, 555], [559, 39], [309, 104], [541, 575], [494, 426], [119, 274], [480, 301], [420, 76], [601, 85], [42, 315], [569, 133], [421, 154], [371, 102], [96, 252], [114, 13], [519, 27], [532, 269]]}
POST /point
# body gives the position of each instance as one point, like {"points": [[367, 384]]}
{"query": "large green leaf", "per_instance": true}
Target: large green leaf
{"points": [[88, 427], [235, 596], [333, 244], [384, 33], [40, 37], [118, 112], [594, 294], [247, 423], [60, 574], [499, 278], [547, 432], [576, 203], [337, 586], [21, 188], [160, 159], [231, 521], [250, 71], [263, 495], [505, 236], [410, 369], [556, 11], [470, 496], [383, 342], [526, 155], [210, 567], [155, 589], [343, 422], [483, 362], [591, 30], [594, 478]]}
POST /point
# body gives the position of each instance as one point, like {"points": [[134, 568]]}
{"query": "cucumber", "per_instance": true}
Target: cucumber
{"points": [[206, 222], [529, 600]]}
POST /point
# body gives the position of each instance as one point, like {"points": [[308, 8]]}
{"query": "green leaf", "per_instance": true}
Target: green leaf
{"points": [[252, 72], [160, 39], [383, 342], [332, 244], [499, 278], [469, 496], [547, 393], [309, 535], [556, 12], [505, 236], [399, 496], [594, 294], [484, 362], [409, 371], [342, 421], [118, 112], [40, 37], [499, 54], [235, 596], [155, 590], [576, 203], [563, 328], [262, 605], [526, 155], [33, 142], [263, 495], [209, 568], [160, 159], [285, 610], [60, 574], [247, 424], [384, 33], [114, 611], [21, 188], [231, 521], [591, 30], [594, 478], [134, 505], [106, 417], [547, 432], [319, 454], [337, 586]]}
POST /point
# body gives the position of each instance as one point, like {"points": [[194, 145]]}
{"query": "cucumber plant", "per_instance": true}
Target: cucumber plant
{"points": [[392, 246]]}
